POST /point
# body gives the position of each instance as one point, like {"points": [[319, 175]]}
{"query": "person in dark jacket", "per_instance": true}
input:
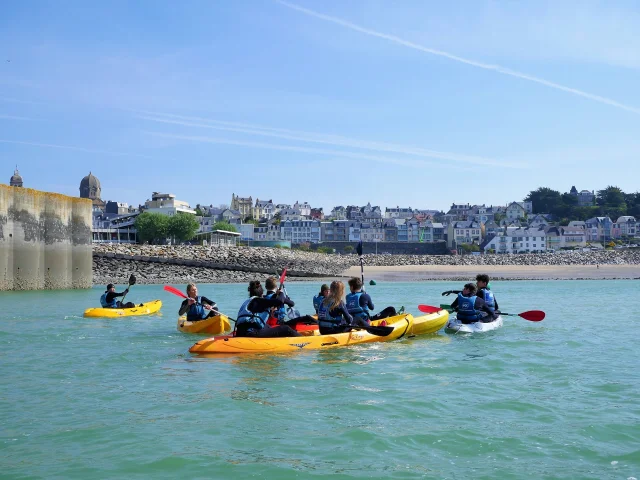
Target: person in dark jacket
{"points": [[333, 316], [197, 307], [254, 313], [109, 298], [359, 304], [471, 308], [484, 292]]}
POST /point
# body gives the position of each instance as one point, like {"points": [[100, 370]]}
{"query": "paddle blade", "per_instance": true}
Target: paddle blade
{"points": [[533, 315], [175, 291], [359, 248], [283, 276], [132, 280], [428, 308], [382, 331]]}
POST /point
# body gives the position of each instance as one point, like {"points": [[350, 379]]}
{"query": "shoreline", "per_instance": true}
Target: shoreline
{"points": [[408, 273]]}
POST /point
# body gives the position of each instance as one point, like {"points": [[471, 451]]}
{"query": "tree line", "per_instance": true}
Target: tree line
{"points": [[157, 228], [611, 202]]}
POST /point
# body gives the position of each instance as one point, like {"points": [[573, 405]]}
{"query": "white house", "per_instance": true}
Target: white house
{"points": [[521, 240], [627, 225], [300, 231], [167, 204], [304, 208], [398, 212], [467, 231]]}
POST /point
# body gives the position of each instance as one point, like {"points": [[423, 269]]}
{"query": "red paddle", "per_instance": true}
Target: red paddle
{"points": [[531, 315], [175, 291]]}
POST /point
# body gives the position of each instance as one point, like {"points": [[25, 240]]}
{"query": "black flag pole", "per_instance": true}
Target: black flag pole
{"points": [[359, 250]]}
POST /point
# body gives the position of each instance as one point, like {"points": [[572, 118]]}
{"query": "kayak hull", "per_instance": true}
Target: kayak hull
{"points": [[144, 309], [455, 326], [243, 345], [210, 326], [429, 323]]}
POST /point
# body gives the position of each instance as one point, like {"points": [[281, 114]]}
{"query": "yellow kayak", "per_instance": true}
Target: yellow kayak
{"points": [[142, 309], [429, 323], [211, 326], [228, 344]]}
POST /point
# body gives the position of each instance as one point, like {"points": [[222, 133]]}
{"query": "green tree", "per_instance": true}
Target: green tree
{"points": [[348, 249], [199, 212], [182, 226], [226, 226], [152, 227], [544, 200]]}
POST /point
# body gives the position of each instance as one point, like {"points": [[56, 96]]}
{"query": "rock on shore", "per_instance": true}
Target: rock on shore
{"points": [[184, 263]]}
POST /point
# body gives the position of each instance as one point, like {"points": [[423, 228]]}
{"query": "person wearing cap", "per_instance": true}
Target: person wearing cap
{"points": [[108, 298], [197, 308], [318, 299]]}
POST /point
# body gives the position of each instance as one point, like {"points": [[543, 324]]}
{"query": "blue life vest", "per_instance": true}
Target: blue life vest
{"points": [[197, 311], [103, 301], [489, 299], [317, 301], [354, 307], [245, 316], [466, 309], [281, 312], [325, 320]]}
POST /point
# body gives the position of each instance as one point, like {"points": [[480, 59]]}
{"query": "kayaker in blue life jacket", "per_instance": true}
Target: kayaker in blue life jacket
{"points": [[197, 307], [470, 308], [318, 299], [484, 292], [359, 304], [272, 286], [109, 298], [254, 312], [333, 316]]}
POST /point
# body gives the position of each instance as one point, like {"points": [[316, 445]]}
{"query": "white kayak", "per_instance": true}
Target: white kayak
{"points": [[456, 326]]}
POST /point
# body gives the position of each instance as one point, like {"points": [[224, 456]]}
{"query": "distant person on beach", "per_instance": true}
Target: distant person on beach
{"points": [[484, 292], [109, 298], [470, 308], [359, 304], [254, 313], [318, 299], [197, 307], [333, 316]]}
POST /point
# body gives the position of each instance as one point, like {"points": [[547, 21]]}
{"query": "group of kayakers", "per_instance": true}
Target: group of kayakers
{"points": [[271, 314]]}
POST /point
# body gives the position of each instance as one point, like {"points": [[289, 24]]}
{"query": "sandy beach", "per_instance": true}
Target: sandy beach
{"points": [[506, 272]]}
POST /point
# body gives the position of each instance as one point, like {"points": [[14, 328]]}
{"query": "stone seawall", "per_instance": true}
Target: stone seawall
{"points": [[180, 264], [45, 240], [215, 264]]}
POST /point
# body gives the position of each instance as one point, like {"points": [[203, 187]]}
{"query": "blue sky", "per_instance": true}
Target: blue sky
{"points": [[405, 103]]}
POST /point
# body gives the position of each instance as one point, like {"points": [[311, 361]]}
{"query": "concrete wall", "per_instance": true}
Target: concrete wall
{"points": [[45, 240]]}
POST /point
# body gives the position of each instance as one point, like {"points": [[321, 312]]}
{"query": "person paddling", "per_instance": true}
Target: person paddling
{"points": [[359, 304], [109, 298], [272, 287], [471, 308], [197, 307], [484, 292], [254, 312], [318, 299], [333, 316]]}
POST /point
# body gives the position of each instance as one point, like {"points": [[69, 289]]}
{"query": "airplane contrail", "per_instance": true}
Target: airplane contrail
{"points": [[70, 147], [311, 137], [474, 63]]}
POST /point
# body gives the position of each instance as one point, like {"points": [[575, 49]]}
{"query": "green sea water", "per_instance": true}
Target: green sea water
{"points": [[122, 398]]}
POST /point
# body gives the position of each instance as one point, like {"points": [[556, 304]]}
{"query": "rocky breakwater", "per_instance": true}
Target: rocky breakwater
{"points": [[216, 264], [608, 257]]}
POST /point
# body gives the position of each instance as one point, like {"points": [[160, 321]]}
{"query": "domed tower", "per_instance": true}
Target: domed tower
{"points": [[16, 179], [90, 188]]}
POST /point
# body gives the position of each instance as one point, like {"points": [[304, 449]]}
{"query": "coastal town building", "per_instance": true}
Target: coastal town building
{"points": [[16, 179], [304, 208], [167, 204], [585, 197], [339, 213], [300, 231], [398, 212], [519, 240], [466, 232], [627, 225], [599, 229], [264, 209], [244, 205], [90, 188]]}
